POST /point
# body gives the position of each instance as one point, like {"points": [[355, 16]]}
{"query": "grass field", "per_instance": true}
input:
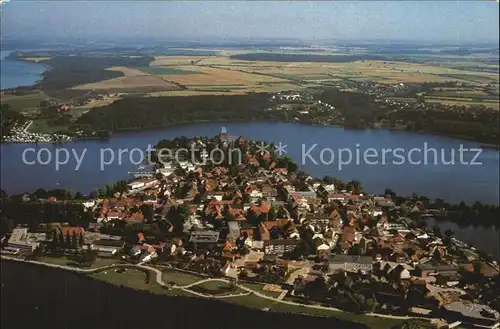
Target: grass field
{"points": [[99, 262], [42, 126], [130, 83], [23, 102], [216, 288], [132, 278], [461, 97], [180, 278], [258, 287], [260, 303], [220, 75], [463, 102], [100, 102], [165, 70], [134, 80], [370, 321], [136, 279]]}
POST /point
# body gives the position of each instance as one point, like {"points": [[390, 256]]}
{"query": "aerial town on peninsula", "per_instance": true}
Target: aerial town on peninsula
{"points": [[263, 233]]}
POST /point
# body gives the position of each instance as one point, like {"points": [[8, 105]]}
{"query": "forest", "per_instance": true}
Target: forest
{"points": [[70, 71], [150, 112], [361, 111], [9, 119]]}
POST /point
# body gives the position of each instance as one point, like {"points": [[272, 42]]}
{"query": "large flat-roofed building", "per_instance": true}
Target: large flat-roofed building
{"points": [[108, 246], [474, 314], [350, 263], [204, 236], [280, 247], [234, 231], [435, 267], [20, 239]]}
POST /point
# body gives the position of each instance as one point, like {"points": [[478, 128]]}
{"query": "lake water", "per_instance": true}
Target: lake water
{"points": [[453, 183], [485, 238], [450, 182], [17, 73]]}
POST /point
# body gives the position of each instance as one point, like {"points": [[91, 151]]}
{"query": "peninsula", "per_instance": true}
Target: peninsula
{"points": [[254, 231]]}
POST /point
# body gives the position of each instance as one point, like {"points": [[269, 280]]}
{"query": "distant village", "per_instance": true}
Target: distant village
{"points": [[314, 240], [20, 132]]}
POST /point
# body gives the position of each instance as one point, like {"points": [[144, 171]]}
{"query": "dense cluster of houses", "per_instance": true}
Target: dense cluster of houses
{"points": [[263, 223]]}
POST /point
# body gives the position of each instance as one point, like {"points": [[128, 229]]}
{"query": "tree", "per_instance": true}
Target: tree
{"points": [[68, 240], [41, 194], [328, 180], [477, 266], [74, 240], [44, 104], [301, 250], [355, 186], [148, 212], [60, 240], [79, 196], [390, 193], [437, 231], [81, 240], [6, 226]]}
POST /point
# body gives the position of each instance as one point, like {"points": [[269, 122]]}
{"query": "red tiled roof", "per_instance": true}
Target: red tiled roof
{"points": [[255, 209], [72, 229], [264, 207], [136, 216], [227, 246]]}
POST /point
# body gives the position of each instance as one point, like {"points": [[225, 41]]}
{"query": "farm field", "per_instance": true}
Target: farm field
{"points": [[36, 59], [219, 77], [190, 72], [463, 97], [99, 102], [463, 102], [23, 101], [376, 71], [133, 80]]}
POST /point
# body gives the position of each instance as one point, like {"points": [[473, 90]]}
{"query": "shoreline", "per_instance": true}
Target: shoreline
{"points": [[40, 76], [227, 299], [484, 145]]}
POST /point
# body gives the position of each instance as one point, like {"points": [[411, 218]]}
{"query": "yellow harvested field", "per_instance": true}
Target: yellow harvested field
{"points": [[193, 93], [463, 102], [36, 59], [215, 76], [99, 103], [175, 60], [383, 72], [221, 75], [137, 82], [216, 90]]}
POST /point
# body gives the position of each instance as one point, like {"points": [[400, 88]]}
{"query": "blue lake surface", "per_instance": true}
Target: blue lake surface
{"points": [[453, 183], [17, 73]]}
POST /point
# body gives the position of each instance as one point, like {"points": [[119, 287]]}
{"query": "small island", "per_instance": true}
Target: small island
{"points": [[254, 231]]}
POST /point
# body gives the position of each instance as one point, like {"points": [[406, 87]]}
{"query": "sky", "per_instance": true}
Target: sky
{"points": [[454, 21]]}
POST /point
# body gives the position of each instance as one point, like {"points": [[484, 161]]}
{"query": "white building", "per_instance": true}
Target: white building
{"points": [[20, 239]]}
